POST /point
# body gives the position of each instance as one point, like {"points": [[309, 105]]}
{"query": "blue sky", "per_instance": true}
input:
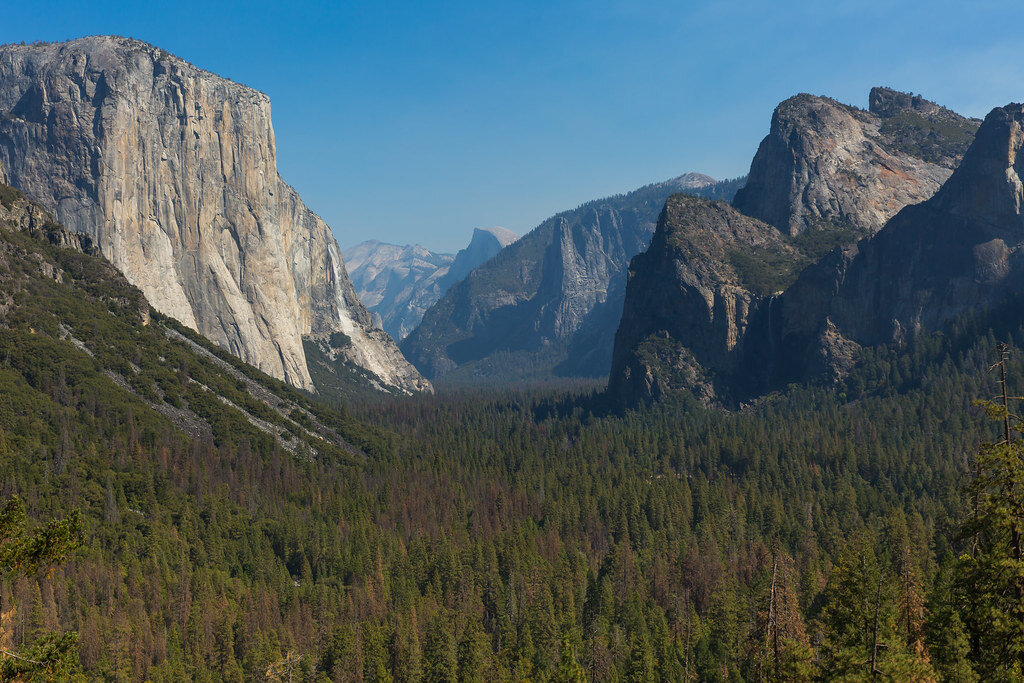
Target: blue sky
{"points": [[415, 121]]}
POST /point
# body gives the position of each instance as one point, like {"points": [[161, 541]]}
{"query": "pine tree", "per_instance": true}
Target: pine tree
{"points": [[992, 575], [440, 664], [50, 655]]}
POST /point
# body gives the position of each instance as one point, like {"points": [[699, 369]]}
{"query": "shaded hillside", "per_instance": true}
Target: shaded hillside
{"points": [[549, 304], [693, 294], [954, 255]]}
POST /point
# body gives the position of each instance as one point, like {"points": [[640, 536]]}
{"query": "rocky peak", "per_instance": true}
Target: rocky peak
{"points": [[548, 304], [399, 283], [956, 254], [688, 300], [826, 163], [172, 171], [887, 103], [987, 186], [485, 243]]}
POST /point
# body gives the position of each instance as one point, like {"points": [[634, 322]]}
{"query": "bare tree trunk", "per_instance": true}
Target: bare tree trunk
{"points": [[874, 637]]}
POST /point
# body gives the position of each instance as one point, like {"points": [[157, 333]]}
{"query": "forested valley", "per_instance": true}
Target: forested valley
{"points": [[822, 532]]}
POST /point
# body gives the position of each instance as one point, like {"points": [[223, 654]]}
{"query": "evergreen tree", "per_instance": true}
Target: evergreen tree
{"points": [[50, 655], [440, 663], [992, 574]]}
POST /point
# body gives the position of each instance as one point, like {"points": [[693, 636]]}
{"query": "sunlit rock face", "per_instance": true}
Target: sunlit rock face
{"points": [[824, 162], [172, 171]]}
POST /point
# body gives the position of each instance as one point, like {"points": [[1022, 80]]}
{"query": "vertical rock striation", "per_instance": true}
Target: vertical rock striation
{"points": [[953, 257], [957, 254], [689, 300], [172, 172]]}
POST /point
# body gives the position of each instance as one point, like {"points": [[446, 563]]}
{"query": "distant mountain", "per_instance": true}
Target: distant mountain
{"points": [[486, 242], [825, 164], [172, 171], [949, 258], [399, 283], [547, 305]]}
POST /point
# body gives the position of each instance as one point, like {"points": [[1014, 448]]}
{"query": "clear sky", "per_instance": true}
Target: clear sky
{"points": [[416, 121]]}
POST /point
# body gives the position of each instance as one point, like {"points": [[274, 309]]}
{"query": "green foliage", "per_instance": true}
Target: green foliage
{"points": [[991, 576], [935, 139], [21, 551], [8, 196], [237, 529], [766, 271], [27, 552]]}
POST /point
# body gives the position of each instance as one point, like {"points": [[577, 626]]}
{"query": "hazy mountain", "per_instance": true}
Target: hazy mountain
{"points": [[549, 303], [399, 283]]}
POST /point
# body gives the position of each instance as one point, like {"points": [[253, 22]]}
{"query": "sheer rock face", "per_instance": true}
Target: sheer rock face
{"points": [[826, 162], [172, 172], [686, 306], [961, 252], [399, 283], [548, 304], [958, 253]]}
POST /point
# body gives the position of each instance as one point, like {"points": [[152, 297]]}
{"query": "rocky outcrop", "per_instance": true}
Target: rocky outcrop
{"points": [[689, 300], [824, 162], [485, 243], [957, 254], [172, 172], [17, 212], [399, 283], [548, 304], [953, 256]]}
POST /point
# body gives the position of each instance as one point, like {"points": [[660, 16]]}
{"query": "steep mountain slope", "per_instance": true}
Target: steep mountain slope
{"points": [[172, 172], [399, 283], [688, 301], [550, 303], [64, 308], [955, 255], [824, 162]]}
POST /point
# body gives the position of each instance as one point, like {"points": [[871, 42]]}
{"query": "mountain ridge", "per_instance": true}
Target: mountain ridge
{"points": [[400, 282], [955, 254], [547, 305], [828, 162]]}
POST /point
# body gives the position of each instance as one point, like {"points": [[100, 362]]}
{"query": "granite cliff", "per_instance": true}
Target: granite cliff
{"points": [[172, 173], [825, 164], [548, 304], [689, 299], [957, 254], [953, 256], [399, 283]]}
